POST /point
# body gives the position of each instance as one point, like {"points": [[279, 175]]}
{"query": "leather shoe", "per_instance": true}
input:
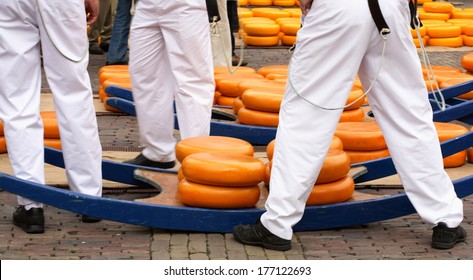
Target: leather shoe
{"points": [[30, 221], [94, 48], [257, 235], [90, 219], [444, 237], [143, 161]]}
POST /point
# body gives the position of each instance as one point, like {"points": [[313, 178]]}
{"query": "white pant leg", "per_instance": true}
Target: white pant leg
{"points": [[154, 85], [171, 60], [191, 64], [328, 53], [73, 100], [20, 88], [400, 105], [221, 38]]}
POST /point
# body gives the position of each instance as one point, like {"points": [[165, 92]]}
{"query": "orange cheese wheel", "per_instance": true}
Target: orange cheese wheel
{"points": [[360, 136], [229, 87], [180, 175], [450, 83], [219, 144], [263, 84], [237, 104], [113, 68], [467, 40], [3, 145], [218, 70], [244, 12], [441, 69], [334, 192], [53, 143], [441, 77], [262, 29], [362, 156], [257, 118], [453, 42], [417, 41], [275, 13], [288, 40], [422, 31], [262, 100], [356, 98], [115, 74], [356, 115], [438, 7], [225, 100], [462, 14], [336, 166], [261, 41], [1, 128], [434, 16], [448, 131], [290, 28], [273, 69], [208, 196], [468, 29], [444, 31], [276, 76], [270, 149], [260, 2], [223, 169], [467, 62], [267, 172]]}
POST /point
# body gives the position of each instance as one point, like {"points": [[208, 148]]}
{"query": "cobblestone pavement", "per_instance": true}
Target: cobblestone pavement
{"points": [[66, 237]]}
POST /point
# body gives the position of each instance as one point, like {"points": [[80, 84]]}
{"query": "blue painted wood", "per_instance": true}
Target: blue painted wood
{"points": [[453, 91], [454, 112], [119, 92], [215, 220]]}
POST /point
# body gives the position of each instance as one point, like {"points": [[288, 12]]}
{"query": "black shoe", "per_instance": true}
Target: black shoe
{"points": [[444, 237], [90, 219], [94, 48], [258, 235], [30, 221], [117, 63], [104, 46], [143, 161]]}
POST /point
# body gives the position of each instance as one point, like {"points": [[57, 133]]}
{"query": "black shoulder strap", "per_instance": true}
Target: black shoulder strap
{"points": [[413, 9], [378, 18]]}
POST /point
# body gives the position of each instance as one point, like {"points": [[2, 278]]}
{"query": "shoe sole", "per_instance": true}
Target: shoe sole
{"points": [[30, 228], [445, 246], [262, 244]]}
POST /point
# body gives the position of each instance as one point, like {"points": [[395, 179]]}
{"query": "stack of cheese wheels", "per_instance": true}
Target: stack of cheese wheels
{"points": [[447, 131], [362, 141], [289, 28], [436, 10], [466, 26], [274, 72], [333, 185], [116, 75], [470, 151], [441, 74], [261, 33], [447, 35], [226, 85], [263, 98], [51, 132], [422, 34], [354, 112], [218, 172], [466, 13]]}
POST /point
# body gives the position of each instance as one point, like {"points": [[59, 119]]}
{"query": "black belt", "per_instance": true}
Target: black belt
{"points": [[381, 24]]}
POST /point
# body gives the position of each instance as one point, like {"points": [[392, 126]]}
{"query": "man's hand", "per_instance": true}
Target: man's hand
{"points": [[92, 9], [305, 6]]}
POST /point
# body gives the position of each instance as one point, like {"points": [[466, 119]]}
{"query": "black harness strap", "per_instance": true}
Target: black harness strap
{"points": [[378, 18], [413, 9]]}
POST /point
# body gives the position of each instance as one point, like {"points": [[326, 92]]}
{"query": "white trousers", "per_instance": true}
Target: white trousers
{"points": [[23, 37], [171, 61], [337, 40]]}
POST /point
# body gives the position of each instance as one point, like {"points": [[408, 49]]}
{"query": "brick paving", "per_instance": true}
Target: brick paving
{"points": [[403, 238]]}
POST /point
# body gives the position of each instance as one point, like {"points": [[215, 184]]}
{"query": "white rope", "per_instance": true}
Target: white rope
{"points": [[383, 35]]}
